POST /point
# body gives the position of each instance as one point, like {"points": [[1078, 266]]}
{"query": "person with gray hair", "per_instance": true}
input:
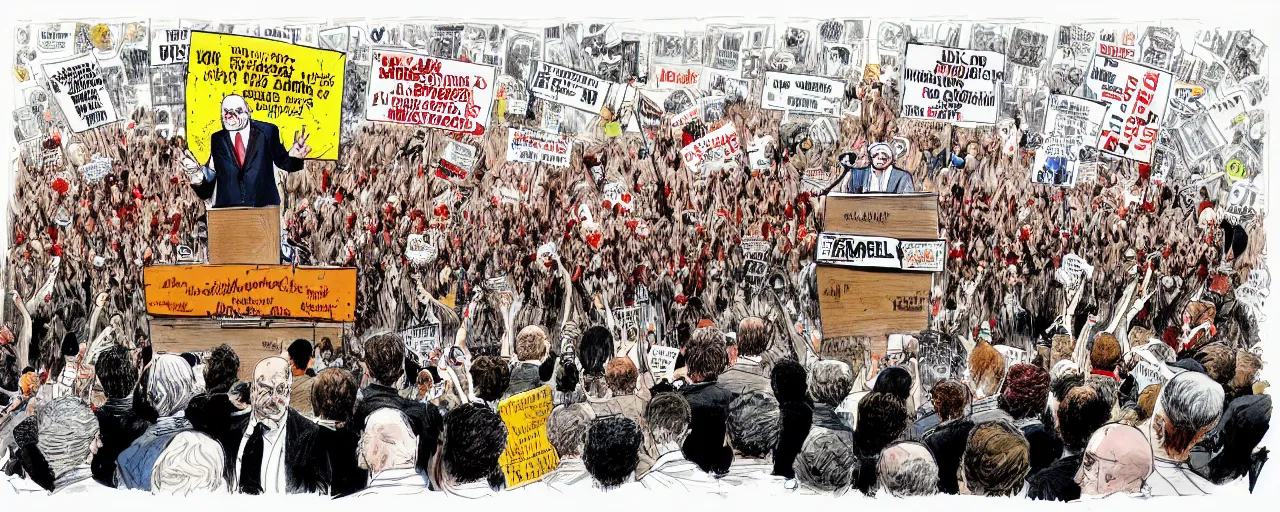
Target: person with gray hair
{"points": [[826, 464], [829, 384], [754, 424], [389, 450], [170, 386], [567, 431], [1186, 409], [906, 469], [68, 438], [192, 463]]}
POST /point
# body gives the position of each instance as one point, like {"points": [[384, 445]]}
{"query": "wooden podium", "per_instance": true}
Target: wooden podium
{"points": [[244, 235], [864, 305]]}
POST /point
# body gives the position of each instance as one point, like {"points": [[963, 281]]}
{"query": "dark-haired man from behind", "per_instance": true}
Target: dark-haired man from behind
{"points": [[300, 352], [705, 359], [748, 374], [119, 426], [1082, 411], [213, 411], [467, 463], [947, 440], [384, 364]]}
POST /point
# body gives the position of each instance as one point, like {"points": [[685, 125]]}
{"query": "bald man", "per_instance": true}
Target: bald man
{"points": [[1118, 459], [907, 469], [242, 160], [389, 450], [273, 449]]}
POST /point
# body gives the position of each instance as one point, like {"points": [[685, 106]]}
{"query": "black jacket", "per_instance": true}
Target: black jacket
{"points": [[797, 417], [1056, 482], [705, 446], [1045, 446], [425, 421], [306, 462], [947, 442], [211, 414], [119, 426], [341, 445], [254, 184]]}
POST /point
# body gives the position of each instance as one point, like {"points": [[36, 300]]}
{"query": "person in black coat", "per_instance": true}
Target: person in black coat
{"points": [[1227, 451], [947, 439], [788, 382], [384, 361], [882, 419], [1082, 411], [1025, 394], [118, 424], [211, 412], [705, 359], [333, 397]]}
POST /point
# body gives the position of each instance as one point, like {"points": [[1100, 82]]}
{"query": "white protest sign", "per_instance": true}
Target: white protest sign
{"points": [[1149, 371], [457, 161], [169, 45], [531, 146], [96, 169], [802, 94], [568, 87], [719, 146], [1012, 355], [881, 252], [422, 340], [81, 92], [950, 84], [62, 217], [662, 362], [56, 40], [1136, 98], [1071, 124], [1253, 293], [758, 155], [420, 250], [410, 88], [1073, 269], [687, 116], [615, 194]]}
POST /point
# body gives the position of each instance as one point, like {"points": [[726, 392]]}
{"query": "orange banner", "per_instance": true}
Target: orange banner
{"points": [[268, 291]]}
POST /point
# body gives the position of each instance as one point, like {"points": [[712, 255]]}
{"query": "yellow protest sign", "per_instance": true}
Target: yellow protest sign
{"points": [[284, 84], [529, 454]]}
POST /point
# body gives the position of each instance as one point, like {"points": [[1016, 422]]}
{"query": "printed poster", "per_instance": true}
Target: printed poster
{"points": [[1136, 97], [951, 84], [80, 89], [417, 89]]}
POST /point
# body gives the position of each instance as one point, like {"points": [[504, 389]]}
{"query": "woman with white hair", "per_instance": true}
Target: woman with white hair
{"points": [[192, 463], [170, 385]]}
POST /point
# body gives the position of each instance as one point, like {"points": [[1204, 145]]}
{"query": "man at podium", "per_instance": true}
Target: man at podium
{"points": [[242, 159], [881, 178]]}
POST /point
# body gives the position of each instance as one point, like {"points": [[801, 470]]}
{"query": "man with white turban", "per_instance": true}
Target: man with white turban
{"points": [[880, 178]]}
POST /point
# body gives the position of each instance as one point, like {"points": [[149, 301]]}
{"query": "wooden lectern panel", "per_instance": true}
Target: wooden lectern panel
{"points": [[904, 216], [176, 336], [244, 236]]}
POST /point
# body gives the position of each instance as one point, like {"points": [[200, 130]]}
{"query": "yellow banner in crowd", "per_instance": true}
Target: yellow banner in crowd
{"points": [[284, 84], [529, 454], [268, 291]]}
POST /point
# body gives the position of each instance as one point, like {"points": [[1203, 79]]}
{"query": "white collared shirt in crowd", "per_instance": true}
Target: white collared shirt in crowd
{"points": [[273, 445]]}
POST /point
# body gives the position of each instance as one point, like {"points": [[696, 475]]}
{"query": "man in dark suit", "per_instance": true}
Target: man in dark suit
{"points": [[242, 159], [384, 362], [274, 449], [119, 425], [706, 359], [880, 178]]}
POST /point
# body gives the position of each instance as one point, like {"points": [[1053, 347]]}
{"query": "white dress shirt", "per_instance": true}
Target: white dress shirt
{"points": [[273, 443], [209, 174], [877, 182]]}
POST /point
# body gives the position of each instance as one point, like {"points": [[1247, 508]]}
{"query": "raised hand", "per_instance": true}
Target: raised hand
{"points": [[195, 175], [300, 147]]}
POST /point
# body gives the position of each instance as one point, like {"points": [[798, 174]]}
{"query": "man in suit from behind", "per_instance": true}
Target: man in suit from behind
{"points": [[880, 178], [243, 157], [273, 450]]}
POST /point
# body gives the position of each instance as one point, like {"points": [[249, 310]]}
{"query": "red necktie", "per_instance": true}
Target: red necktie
{"points": [[239, 149]]}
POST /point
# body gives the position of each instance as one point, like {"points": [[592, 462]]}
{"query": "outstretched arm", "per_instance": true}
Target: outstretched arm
{"points": [[24, 339], [291, 159]]}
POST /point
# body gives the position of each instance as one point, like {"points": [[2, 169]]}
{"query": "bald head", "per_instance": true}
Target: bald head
{"points": [[908, 469], [1117, 459], [271, 389], [235, 113], [387, 442]]}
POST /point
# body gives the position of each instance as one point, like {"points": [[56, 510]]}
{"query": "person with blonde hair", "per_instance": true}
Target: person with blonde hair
{"points": [[192, 463]]}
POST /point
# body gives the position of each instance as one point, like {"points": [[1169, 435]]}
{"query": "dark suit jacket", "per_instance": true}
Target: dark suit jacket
{"points": [[425, 421], [899, 182], [709, 407], [797, 417], [119, 427], [947, 442], [1045, 446], [255, 183], [341, 445], [1056, 482], [306, 462]]}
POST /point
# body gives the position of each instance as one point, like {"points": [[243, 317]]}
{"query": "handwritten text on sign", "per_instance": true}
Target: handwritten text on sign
{"points": [[251, 291], [529, 454], [410, 88], [668, 76], [80, 90], [568, 87], [530, 146], [719, 146], [951, 85], [287, 85], [169, 45], [802, 94], [881, 252], [1136, 98]]}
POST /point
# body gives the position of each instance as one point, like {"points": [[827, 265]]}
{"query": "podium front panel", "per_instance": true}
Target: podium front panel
{"points": [[244, 236], [904, 216], [872, 303], [176, 335]]}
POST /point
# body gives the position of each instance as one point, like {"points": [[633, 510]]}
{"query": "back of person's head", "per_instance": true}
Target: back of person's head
{"points": [[1105, 353], [1026, 391], [595, 350], [567, 428], [907, 469], [754, 424], [474, 439], [826, 462], [986, 368], [996, 460], [567, 377], [1219, 361], [300, 352], [70, 345], [1080, 413], [384, 358], [882, 419], [239, 391], [894, 380], [621, 375], [531, 343], [116, 372], [220, 369], [333, 394], [1247, 366], [491, 377], [1059, 387], [705, 355], [668, 416], [830, 382], [949, 398], [191, 463], [1188, 406], [170, 384], [754, 336], [388, 442], [1107, 388], [1147, 401], [612, 450], [787, 378], [67, 428]]}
